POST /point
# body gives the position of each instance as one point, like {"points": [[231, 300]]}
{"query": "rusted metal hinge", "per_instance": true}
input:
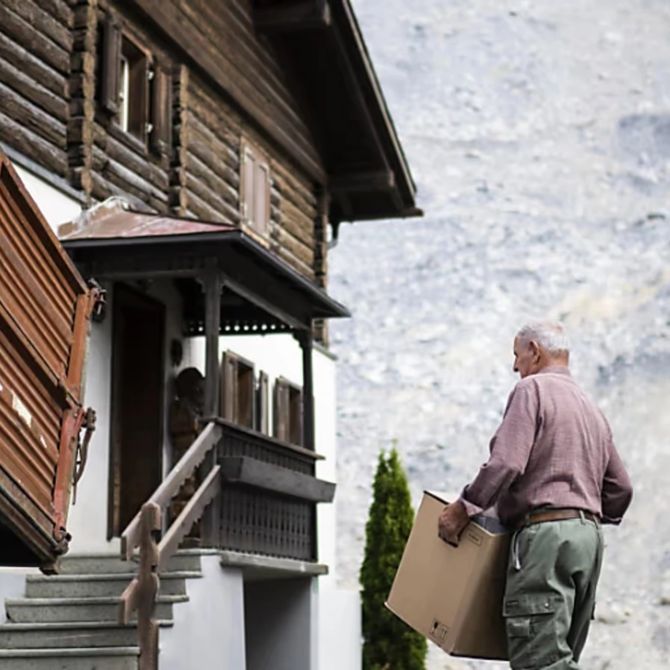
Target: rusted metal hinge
{"points": [[97, 305], [88, 424]]}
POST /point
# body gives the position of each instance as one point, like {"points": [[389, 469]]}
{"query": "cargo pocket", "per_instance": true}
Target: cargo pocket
{"points": [[531, 630]]}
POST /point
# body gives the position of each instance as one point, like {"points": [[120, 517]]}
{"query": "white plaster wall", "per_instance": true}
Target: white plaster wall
{"points": [[56, 206], [208, 631], [340, 633], [87, 522], [325, 407]]}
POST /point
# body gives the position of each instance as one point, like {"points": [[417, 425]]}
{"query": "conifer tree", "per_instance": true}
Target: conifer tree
{"points": [[389, 644]]}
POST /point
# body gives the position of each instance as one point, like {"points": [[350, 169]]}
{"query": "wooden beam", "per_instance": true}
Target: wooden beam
{"points": [[308, 15], [308, 428], [363, 182], [212, 285], [270, 477]]}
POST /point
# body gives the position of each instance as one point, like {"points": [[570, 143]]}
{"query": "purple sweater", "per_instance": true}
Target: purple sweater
{"points": [[554, 449]]}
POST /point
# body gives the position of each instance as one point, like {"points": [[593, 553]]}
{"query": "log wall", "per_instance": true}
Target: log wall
{"points": [[49, 111], [211, 144], [35, 52]]}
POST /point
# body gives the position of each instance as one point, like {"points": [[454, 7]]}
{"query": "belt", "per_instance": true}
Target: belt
{"points": [[541, 516]]}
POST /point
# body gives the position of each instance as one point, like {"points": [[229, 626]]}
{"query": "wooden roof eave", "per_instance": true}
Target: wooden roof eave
{"points": [[386, 176]]}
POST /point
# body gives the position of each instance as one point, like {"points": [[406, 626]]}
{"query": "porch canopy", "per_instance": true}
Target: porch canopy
{"points": [[230, 283], [260, 292]]}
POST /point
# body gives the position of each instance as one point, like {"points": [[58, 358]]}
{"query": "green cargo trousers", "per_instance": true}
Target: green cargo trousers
{"points": [[550, 594]]}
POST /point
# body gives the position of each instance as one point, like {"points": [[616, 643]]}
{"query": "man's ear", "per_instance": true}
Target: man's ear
{"points": [[535, 349]]}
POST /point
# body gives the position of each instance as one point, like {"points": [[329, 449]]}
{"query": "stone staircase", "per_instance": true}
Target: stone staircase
{"points": [[69, 621]]}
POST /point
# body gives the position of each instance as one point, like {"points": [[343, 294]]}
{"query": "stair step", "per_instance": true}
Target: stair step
{"points": [[101, 658], [63, 635], [183, 561], [95, 585], [26, 610]]}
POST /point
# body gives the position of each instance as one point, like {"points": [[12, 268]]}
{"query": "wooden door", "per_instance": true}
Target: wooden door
{"points": [[137, 403]]}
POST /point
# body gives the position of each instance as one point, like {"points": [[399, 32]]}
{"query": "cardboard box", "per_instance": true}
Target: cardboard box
{"points": [[453, 595]]}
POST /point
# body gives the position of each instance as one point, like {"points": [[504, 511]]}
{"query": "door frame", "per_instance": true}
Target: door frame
{"points": [[115, 468]]}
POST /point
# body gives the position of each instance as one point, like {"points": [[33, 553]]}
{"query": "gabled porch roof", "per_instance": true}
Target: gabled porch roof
{"points": [[261, 293]]}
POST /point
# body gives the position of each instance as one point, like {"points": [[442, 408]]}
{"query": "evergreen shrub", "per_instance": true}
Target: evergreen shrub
{"points": [[388, 643]]}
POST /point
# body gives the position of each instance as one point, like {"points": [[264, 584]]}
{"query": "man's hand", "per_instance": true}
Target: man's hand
{"points": [[452, 521]]}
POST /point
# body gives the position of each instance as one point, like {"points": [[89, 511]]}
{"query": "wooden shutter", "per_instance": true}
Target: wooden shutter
{"points": [[161, 110], [228, 387], [261, 422], [247, 183], [110, 65], [246, 396], [237, 397], [138, 86], [280, 410], [295, 410], [261, 196]]}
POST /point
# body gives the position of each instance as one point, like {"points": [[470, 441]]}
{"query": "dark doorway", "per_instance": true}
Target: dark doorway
{"points": [[137, 404]]}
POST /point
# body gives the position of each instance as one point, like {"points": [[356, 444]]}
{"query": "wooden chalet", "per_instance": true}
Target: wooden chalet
{"points": [[213, 148]]}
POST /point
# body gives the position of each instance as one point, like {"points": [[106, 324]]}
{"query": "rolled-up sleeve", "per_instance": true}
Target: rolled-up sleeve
{"points": [[617, 491], [509, 451]]}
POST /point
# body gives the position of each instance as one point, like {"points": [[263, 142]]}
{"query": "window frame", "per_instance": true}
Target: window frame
{"points": [[134, 89], [133, 117]]}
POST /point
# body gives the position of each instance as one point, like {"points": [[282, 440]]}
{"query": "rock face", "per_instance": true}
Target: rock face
{"points": [[539, 135]]}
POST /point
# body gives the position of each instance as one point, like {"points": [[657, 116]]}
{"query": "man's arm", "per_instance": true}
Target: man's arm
{"points": [[617, 489], [510, 449]]}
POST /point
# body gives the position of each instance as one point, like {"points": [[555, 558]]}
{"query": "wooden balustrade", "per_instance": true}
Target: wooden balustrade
{"points": [[144, 530]]}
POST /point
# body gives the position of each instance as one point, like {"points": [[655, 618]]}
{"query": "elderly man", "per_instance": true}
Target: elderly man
{"points": [[554, 476]]}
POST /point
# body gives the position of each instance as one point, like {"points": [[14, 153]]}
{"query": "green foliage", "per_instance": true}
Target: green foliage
{"points": [[389, 644]]}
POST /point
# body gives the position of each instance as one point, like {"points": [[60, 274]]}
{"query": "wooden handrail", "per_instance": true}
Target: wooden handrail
{"points": [[168, 488], [142, 591], [188, 516], [143, 531]]}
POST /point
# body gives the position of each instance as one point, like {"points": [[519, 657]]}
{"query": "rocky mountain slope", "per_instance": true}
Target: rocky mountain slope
{"points": [[539, 136]]}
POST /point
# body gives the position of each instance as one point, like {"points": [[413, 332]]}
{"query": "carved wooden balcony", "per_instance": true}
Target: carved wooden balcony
{"points": [[268, 495]]}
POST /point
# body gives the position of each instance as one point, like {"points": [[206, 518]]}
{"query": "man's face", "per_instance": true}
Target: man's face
{"points": [[526, 357]]}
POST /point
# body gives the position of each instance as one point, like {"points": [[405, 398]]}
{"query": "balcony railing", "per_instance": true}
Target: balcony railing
{"points": [[268, 495]]}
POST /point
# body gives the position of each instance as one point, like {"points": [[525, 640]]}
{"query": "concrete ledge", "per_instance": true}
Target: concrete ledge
{"points": [[258, 568]]}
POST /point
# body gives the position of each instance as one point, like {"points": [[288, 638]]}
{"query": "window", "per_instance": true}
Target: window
{"points": [[287, 411], [243, 397], [255, 188], [135, 91], [133, 85]]}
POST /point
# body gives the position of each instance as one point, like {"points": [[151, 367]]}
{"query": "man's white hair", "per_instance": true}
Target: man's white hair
{"points": [[550, 335]]}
